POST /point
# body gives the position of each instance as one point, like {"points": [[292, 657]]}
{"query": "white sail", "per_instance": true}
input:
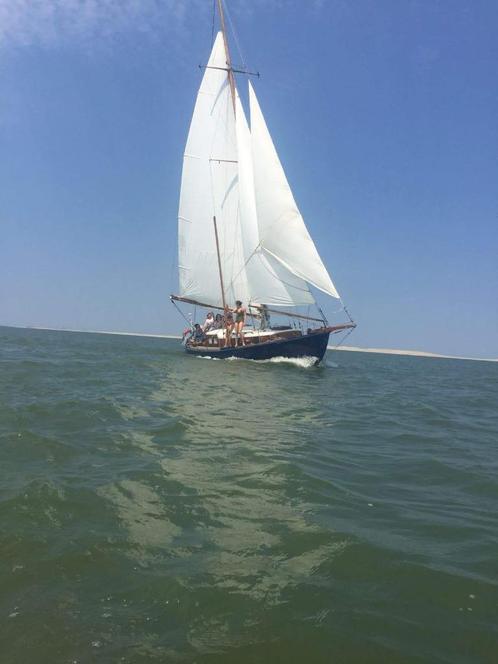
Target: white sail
{"points": [[210, 188], [266, 253], [269, 282], [282, 230]]}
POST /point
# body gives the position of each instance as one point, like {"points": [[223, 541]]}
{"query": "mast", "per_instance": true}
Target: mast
{"points": [[231, 77], [231, 81], [219, 264]]}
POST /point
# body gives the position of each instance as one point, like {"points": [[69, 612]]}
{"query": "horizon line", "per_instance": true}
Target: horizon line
{"points": [[354, 349]]}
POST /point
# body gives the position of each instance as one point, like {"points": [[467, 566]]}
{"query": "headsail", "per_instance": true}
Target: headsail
{"points": [[283, 233], [269, 282]]}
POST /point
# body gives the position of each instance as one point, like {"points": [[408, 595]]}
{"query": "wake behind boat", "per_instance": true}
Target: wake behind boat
{"points": [[241, 236]]}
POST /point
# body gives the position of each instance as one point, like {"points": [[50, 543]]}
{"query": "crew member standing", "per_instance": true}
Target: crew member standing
{"points": [[240, 320]]}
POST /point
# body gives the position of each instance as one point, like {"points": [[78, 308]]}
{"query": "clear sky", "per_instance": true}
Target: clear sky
{"points": [[384, 113]]}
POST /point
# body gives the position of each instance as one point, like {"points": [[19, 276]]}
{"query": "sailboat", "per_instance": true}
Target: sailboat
{"points": [[241, 236]]}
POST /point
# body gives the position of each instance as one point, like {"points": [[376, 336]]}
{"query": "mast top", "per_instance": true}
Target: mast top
{"points": [[231, 77]]}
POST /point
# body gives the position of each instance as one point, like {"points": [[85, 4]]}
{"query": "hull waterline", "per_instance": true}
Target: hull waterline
{"points": [[308, 345]]}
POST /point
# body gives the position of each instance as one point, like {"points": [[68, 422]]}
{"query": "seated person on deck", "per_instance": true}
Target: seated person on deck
{"points": [[198, 335], [209, 322], [265, 323], [229, 325]]}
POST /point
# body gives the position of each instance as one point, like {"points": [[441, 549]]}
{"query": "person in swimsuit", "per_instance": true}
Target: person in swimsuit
{"points": [[240, 320]]}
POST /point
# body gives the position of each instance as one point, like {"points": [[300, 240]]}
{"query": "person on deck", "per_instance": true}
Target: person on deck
{"points": [[240, 320], [265, 318], [208, 323], [218, 322], [229, 325], [198, 335]]}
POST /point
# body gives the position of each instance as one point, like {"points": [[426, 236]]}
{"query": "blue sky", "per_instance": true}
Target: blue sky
{"points": [[384, 114]]}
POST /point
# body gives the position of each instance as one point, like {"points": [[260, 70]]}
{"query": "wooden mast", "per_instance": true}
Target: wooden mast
{"points": [[219, 264], [231, 77], [231, 80]]}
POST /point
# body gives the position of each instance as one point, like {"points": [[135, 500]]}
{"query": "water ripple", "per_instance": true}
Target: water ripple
{"points": [[159, 508]]}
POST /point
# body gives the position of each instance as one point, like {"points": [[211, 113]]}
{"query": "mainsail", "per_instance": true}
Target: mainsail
{"points": [[232, 173], [210, 189]]}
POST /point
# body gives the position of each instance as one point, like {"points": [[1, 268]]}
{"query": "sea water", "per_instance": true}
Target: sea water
{"points": [[157, 507]]}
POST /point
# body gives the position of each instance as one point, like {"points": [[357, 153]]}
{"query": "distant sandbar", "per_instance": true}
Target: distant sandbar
{"points": [[354, 349], [414, 353]]}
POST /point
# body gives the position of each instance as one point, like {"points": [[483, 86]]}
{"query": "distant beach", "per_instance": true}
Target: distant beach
{"points": [[354, 349], [413, 353]]}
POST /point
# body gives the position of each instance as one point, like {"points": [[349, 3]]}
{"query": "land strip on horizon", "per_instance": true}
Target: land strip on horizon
{"points": [[354, 349]]}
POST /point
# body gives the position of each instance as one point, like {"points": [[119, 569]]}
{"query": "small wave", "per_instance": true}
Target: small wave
{"points": [[301, 362]]}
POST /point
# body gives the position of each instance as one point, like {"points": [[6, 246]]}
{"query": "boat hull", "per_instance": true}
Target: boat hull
{"points": [[307, 345]]}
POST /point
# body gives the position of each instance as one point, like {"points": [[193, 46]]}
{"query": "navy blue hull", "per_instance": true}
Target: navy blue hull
{"points": [[309, 345]]}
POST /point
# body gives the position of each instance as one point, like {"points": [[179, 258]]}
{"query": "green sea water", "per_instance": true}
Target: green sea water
{"points": [[156, 507]]}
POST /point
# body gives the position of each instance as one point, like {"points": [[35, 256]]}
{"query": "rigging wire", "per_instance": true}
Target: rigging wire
{"points": [[347, 312], [189, 322], [235, 37], [213, 22], [173, 266], [343, 339]]}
